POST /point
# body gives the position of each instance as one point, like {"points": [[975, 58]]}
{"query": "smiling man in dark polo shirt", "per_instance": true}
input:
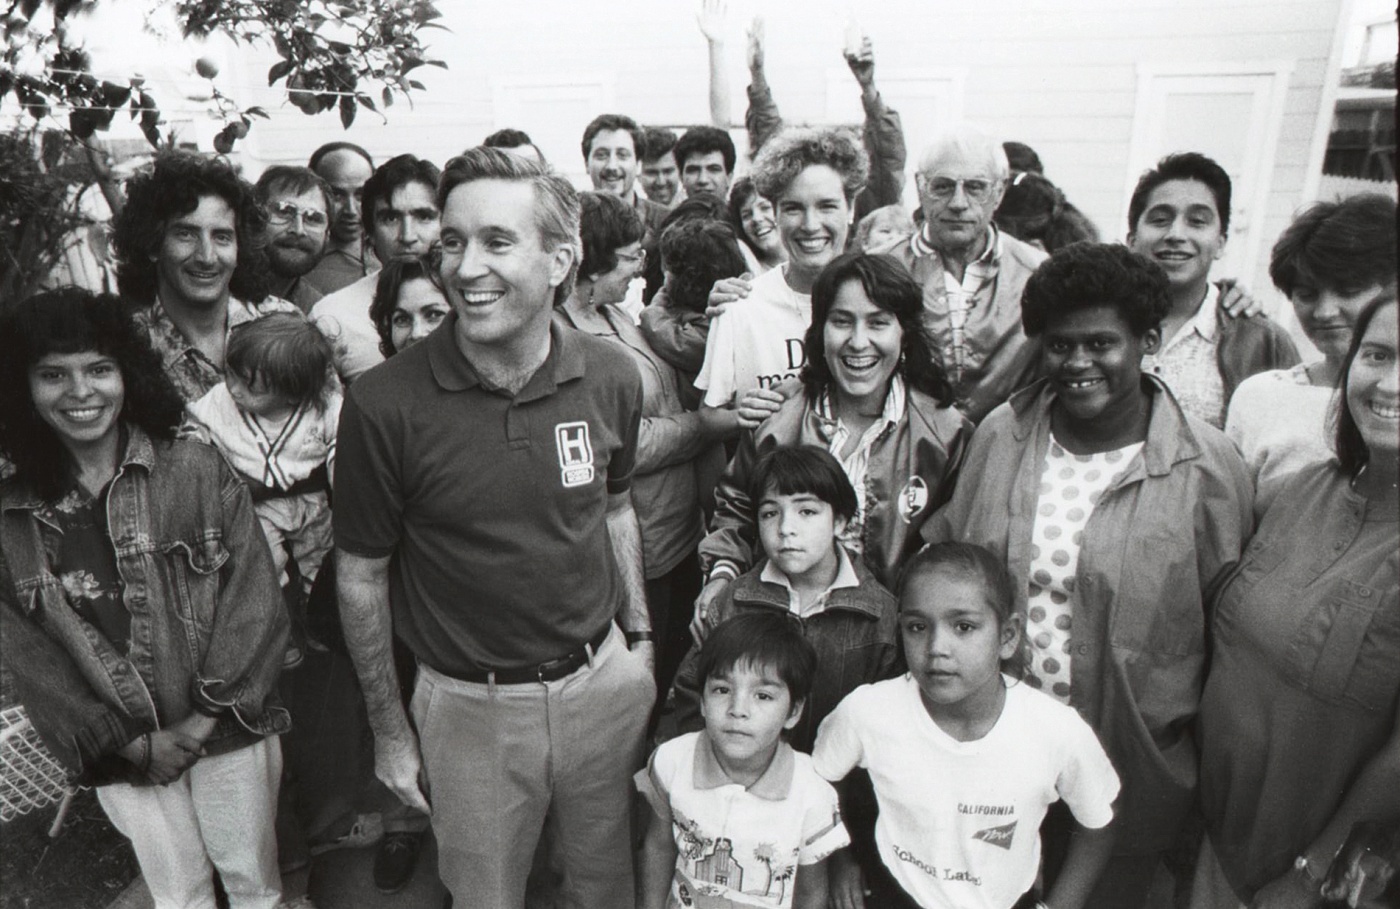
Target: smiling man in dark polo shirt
{"points": [[482, 501]]}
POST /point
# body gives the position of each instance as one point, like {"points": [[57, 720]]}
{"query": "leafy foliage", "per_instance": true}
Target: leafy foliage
{"points": [[344, 54]]}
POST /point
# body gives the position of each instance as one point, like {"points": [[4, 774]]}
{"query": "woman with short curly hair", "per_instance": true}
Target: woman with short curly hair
{"points": [[1114, 511], [140, 617]]}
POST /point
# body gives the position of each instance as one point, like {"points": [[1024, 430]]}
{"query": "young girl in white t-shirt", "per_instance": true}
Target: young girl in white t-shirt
{"points": [[965, 760]]}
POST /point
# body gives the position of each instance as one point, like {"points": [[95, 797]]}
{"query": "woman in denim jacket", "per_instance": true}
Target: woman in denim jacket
{"points": [[139, 612]]}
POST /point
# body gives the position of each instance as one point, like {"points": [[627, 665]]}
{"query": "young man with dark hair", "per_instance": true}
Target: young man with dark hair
{"points": [[660, 177], [188, 254], [528, 704], [705, 155], [400, 217], [345, 167], [1179, 217], [297, 204], [515, 141], [611, 144]]}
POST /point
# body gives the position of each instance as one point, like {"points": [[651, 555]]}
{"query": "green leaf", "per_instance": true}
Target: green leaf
{"points": [[388, 96], [366, 101], [82, 123], [255, 111], [223, 142], [414, 83], [438, 63], [347, 110]]}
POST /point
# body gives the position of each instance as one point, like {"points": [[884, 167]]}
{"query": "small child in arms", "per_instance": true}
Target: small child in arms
{"points": [[965, 760], [274, 417], [739, 819]]}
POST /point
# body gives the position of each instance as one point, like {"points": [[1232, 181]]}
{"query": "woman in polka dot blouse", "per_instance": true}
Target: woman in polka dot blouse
{"points": [[1118, 510]]}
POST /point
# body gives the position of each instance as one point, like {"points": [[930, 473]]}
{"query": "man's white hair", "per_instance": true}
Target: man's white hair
{"points": [[969, 143]]}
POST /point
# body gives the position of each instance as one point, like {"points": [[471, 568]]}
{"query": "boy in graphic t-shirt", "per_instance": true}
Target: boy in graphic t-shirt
{"points": [[740, 819]]}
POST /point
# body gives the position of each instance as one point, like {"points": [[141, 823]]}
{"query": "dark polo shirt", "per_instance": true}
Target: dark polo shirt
{"points": [[493, 507]]}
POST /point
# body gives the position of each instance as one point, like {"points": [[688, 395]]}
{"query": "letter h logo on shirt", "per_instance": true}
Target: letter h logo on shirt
{"points": [[575, 453]]}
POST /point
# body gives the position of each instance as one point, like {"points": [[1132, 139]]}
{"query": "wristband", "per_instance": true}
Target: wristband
{"points": [[636, 637]]}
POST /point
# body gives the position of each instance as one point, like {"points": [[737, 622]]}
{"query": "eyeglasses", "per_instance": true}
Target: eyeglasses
{"points": [[943, 189], [636, 259], [285, 213]]}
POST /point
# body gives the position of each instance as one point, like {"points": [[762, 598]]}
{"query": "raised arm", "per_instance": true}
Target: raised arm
{"points": [[713, 18], [883, 133], [362, 585], [762, 119]]}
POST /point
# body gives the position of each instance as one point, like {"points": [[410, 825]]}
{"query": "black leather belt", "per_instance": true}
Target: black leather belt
{"points": [[548, 671]]}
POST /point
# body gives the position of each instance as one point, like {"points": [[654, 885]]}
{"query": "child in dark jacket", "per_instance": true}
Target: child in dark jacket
{"points": [[804, 500]]}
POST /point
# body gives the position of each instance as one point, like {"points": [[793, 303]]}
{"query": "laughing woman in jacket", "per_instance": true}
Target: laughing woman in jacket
{"points": [[874, 397], [139, 612], [1115, 511]]}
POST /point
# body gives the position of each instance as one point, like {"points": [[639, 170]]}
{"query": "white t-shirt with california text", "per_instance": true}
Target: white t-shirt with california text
{"points": [[959, 822]]}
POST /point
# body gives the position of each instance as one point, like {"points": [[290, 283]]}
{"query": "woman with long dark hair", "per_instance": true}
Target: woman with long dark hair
{"points": [[139, 613]]}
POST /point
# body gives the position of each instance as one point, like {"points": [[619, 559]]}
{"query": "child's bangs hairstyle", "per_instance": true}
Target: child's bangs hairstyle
{"points": [[975, 563], [286, 353], [769, 640], [804, 470]]}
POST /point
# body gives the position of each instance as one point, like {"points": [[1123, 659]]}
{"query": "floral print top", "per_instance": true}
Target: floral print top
{"points": [[80, 553]]}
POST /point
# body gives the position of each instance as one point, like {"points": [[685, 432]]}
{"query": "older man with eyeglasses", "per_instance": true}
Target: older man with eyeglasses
{"points": [[972, 274], [297, 204]]}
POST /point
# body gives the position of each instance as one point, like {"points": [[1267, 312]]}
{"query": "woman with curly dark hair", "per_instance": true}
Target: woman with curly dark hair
{"points": [[1114, 511], [408, 304], [875, 398], [139, 614]]}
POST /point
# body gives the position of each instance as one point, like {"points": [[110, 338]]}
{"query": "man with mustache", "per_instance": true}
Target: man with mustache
{"points": [[400, 217], [611, 144], [297, 203]]}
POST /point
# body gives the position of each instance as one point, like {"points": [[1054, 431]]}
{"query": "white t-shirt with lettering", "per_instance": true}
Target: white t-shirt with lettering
{"points": [[757, 341], [960, 821]]}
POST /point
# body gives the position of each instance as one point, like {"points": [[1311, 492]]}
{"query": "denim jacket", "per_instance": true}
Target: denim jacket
{"points": [[856, 638], [208, 626]]}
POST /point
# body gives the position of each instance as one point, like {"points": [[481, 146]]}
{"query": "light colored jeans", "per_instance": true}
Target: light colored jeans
{"points": [[502, 761], [304, 521], [219, 815]]}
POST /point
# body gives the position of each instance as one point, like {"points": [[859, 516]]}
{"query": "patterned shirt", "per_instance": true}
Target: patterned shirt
{"points": [[1070, 486], [1188, 364], [961, 296], [73, 530], [857, 463], [192, 372]]}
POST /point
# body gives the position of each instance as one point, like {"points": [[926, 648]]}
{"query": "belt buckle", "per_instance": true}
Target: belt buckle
{"points": [[542, 668]]}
